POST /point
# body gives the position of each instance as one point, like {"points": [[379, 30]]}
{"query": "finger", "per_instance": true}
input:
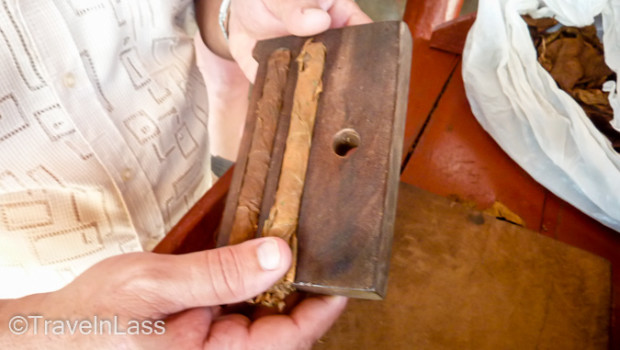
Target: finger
{"points": [[228, 332], [153, 285], [187, 329], [241, 50], [347, 13], [306, 324], [235, 273], [302, 17], [314, 316]]}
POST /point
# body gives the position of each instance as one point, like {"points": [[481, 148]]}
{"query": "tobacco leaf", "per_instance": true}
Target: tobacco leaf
{"points": [[574, 56]]}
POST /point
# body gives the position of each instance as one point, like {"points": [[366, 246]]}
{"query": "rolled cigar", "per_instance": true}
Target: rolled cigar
{"points": [[284, 214], [268, 110]]}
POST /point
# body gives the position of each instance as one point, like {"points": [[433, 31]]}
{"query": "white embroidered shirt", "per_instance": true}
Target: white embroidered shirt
{"points": [[103, 133]]}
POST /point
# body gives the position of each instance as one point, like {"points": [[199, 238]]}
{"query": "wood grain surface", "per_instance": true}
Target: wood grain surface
{"points": [[348, 203], [462, 280]]}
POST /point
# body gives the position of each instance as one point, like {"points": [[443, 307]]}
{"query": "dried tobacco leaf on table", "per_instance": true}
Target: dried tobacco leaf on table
{"points": [[575, 59]]}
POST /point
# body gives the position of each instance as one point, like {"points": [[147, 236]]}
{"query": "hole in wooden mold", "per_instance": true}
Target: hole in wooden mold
{"points": [[346, 141]]}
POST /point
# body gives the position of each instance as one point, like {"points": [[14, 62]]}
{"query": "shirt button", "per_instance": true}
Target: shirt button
{"points": [[69, 80], [127, 174]]}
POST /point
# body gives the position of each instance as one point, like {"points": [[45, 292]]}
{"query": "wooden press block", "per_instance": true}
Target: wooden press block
{"points": [[349, 198], [460, 279]]}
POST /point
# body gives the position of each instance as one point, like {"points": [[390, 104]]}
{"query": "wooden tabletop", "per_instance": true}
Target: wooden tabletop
{"points": [[460, 279]]}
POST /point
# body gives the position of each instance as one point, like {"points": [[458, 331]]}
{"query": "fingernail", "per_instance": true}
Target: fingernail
{"points": [[268, 254]]}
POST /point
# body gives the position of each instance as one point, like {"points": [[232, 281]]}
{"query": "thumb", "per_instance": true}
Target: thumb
{"points": [[302, 17], [155, 285], [234, 273]]}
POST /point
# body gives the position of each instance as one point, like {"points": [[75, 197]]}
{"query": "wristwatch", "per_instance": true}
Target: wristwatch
{"points": [[224, 16]]}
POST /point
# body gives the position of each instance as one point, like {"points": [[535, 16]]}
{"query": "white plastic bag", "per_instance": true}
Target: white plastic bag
{"points": [[540, 126]]}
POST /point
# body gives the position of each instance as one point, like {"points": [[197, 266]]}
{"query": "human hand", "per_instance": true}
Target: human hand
{"points": [[252, 20], [182, 291]]}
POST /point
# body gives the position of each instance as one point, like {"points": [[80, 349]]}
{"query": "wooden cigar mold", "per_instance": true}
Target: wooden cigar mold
{"points": [[347, 210]]}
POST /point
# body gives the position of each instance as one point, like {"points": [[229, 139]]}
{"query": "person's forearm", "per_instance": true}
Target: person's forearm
{"points": [[207, 12]]}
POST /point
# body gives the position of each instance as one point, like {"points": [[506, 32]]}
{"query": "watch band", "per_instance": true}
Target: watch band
{"points": [[223, 17]]}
